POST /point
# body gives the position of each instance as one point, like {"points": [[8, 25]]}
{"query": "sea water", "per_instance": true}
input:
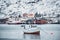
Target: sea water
{"points": [[15, 32]]}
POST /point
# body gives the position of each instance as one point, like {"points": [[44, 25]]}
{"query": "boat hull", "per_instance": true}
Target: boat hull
{"points": [[14, 23], [37, 32]]}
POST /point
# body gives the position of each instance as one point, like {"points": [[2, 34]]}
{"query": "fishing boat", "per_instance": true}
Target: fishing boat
{"points": [[41, 21], [16, 21], [31, 29], [13, 21]]}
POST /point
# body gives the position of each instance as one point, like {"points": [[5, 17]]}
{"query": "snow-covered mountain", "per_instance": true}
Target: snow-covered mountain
{"points": [[8, 7]]}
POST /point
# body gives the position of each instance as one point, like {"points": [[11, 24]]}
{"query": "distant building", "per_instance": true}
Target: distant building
{"points": [[28, 15]]}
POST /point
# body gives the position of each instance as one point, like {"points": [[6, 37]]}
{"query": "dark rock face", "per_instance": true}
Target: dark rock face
{"points": [[3, 21], [58, 21]]}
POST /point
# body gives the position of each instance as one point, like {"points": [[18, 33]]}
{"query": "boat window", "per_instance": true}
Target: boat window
{"points": [[33, 26], [22, 25], [10, 21]]}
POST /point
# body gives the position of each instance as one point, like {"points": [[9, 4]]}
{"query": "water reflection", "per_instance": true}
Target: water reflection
{"points": [[31, 36]]}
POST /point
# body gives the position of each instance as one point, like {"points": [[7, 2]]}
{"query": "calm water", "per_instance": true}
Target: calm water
{"points": [[15, 32]]}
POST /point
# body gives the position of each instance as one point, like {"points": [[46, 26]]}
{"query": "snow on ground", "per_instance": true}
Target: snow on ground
{"points": [[23, 6]]}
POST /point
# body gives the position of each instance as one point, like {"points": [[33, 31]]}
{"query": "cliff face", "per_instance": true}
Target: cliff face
{"points": [[9, 7]]}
